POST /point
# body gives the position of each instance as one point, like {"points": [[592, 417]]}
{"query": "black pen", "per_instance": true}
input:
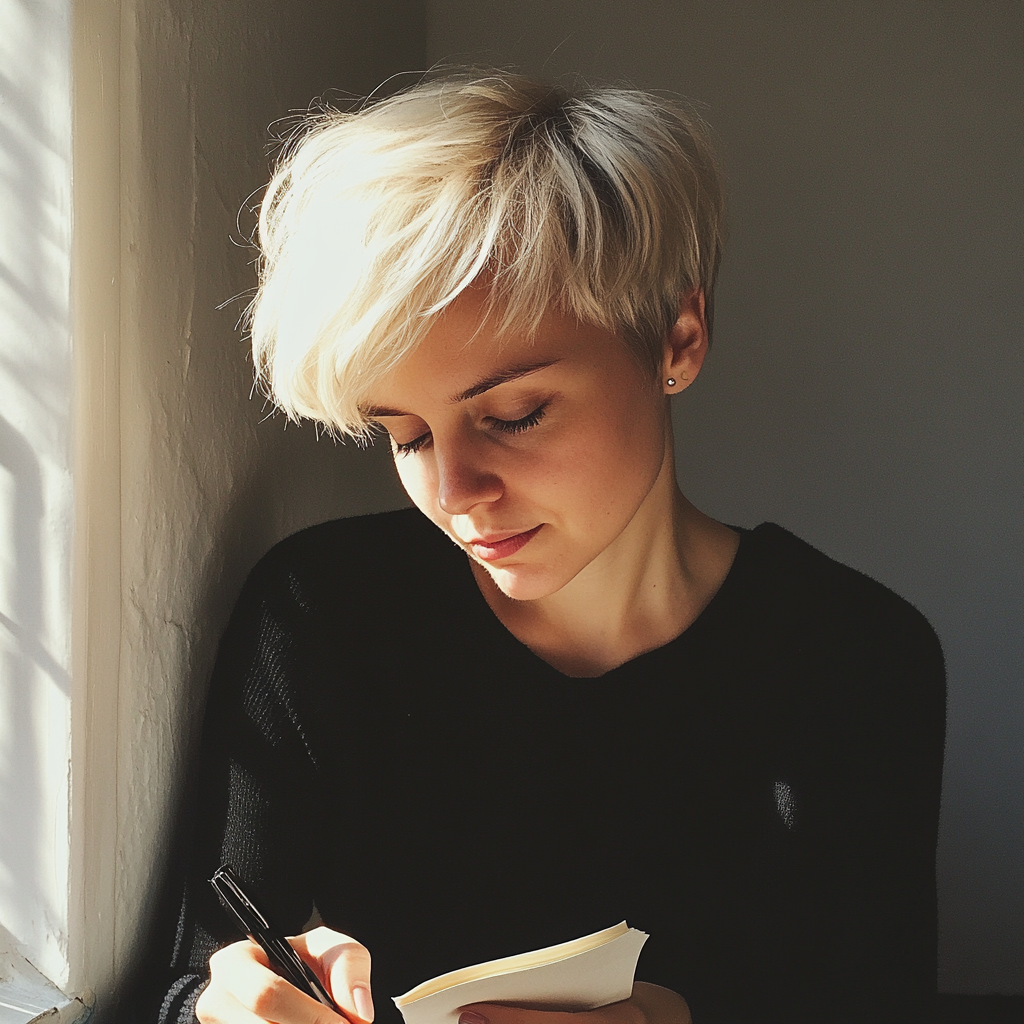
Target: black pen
{"points": [[279, 952]]}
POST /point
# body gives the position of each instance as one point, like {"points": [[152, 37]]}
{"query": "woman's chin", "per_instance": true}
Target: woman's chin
{"points": [[521, 582]]}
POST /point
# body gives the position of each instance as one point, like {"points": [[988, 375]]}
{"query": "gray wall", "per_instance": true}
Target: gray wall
{"points": [[864, 388]]}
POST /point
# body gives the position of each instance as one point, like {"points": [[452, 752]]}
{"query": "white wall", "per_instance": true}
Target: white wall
{"points": [[864, 388], [35, 478], [181, 483], [207, 484]]}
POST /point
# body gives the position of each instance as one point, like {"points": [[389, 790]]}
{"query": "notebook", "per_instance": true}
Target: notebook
{"points": [[582, 974]]}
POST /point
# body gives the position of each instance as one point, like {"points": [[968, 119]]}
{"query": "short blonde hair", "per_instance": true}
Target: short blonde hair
{"points": [[605, 204]]}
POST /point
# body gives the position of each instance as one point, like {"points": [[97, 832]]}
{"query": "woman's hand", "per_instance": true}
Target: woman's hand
{"points": [[244, 990], [649, 1004]]}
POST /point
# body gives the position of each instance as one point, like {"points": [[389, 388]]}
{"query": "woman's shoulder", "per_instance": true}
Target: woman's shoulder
{"points": [[405, 527], [353, 564], [360, 545], [845, 644], [804, 587]]}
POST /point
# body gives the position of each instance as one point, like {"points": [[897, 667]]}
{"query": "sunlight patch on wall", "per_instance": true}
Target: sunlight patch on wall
{"points": [[35, 477]]}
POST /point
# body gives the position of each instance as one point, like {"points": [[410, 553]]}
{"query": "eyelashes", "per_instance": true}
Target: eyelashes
{"points": [[518, 426], [411, 446], [527, 422]]}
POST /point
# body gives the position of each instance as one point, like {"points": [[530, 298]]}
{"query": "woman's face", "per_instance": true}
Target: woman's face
{"points": [[534, 456]]}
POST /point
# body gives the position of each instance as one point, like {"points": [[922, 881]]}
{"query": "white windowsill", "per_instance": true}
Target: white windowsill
{"points": [[27, 996]]}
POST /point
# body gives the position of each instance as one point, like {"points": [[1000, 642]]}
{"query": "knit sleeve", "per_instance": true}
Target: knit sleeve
{"points": [[253, 795], [884, 844], [862, 733]]}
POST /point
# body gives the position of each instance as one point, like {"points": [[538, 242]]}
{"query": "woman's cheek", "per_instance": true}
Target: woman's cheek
{"points": [[415, 477]]}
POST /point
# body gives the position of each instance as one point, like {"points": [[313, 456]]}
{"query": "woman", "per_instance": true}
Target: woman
{"points": [[565, 697]]}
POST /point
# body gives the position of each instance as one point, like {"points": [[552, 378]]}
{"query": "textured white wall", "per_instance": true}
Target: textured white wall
{"points": [[864, 388], [35, 477], [207, 484]]}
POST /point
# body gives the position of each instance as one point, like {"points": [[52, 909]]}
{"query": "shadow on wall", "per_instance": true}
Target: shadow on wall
{"points": [[323, 480], [207, 487]]}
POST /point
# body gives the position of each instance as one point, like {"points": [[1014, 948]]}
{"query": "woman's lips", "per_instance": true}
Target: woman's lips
{"points": [[492, 550]]}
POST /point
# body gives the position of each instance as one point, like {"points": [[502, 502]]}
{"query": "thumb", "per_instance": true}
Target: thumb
{"points": [[344, 966]]}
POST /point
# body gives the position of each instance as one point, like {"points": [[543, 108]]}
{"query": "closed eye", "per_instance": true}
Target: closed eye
{"points": [[518, 426], [409, 447], [526, 422]]}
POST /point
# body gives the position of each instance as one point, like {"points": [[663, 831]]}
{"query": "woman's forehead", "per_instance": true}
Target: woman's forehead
{"points": [[467, 351], [452, 377]]}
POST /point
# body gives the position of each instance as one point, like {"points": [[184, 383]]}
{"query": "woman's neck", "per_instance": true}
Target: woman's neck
{"points": [[641, 592]]}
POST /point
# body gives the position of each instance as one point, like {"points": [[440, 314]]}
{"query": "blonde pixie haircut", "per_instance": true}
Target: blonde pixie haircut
{"points": [[605, 204]]}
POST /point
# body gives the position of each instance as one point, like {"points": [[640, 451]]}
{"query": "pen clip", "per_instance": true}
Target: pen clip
{"points": [[227, 888]]}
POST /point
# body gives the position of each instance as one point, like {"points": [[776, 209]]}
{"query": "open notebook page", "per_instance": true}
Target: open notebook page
{"points": [[588, 972]]}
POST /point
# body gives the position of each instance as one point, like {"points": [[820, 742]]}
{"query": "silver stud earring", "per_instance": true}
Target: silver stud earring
{"points": [[671, 382]]}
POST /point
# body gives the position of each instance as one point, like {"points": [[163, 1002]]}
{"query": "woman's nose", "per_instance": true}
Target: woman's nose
{"points": [[464, 480]]}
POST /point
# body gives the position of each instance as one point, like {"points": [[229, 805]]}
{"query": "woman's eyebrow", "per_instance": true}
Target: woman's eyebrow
{"points": [[501, 377], [375, 412], [510, 373]]}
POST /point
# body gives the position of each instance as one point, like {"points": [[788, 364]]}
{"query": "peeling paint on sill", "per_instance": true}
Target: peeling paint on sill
{"points": [[26, 996]]}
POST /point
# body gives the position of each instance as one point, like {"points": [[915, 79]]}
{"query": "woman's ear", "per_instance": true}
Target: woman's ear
{"points": [[686, 344]]}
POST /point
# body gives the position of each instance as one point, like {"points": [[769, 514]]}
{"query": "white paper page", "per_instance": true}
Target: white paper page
{"points": [[583, 982]]}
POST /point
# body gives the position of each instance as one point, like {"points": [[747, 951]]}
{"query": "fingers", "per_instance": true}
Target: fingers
{"points": [[493, 1013], [649, 1004], [244, 990], [659, 1004], [345, 966], [218, 1006]]}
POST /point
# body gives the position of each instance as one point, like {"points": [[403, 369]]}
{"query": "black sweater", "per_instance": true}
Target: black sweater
{"points": [[761, 794]]}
